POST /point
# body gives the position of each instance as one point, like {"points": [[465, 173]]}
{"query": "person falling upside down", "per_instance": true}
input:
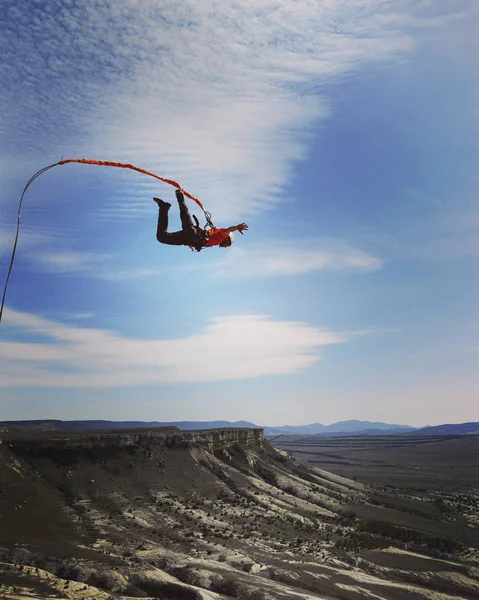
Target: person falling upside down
{"points": [[191, 234]]}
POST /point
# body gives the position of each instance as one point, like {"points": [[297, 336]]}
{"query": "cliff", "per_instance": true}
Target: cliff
{"points": [[212, 440]]}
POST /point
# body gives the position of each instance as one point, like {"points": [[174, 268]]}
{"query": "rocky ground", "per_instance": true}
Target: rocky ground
{"points": [[218, 514]]}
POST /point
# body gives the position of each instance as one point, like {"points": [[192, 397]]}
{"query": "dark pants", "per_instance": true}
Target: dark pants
{"points": [[190, 234]]}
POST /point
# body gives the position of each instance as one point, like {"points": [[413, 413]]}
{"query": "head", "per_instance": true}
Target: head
{"points": [[228, 241]]}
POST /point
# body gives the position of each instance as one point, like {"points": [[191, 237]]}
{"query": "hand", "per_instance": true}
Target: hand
{"points": [[241, 227]]}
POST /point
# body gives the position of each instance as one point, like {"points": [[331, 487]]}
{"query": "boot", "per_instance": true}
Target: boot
{"points": [[161, 203]]}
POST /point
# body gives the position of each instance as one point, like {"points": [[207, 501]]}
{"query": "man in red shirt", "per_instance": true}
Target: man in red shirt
{"points": [[191, 234]]}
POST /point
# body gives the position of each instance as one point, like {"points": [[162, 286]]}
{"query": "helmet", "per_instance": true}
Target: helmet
{"points": [[226, 243]]}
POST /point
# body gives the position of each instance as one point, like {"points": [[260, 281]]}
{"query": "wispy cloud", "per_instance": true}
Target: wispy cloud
{"points": [[233, 347], [95, 265], [42, 252], [69, 261], [213, 94], [276, 260], [79, 316], [29, 238], [272, 260]]}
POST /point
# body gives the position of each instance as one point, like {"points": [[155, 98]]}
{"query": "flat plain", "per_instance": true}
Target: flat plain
{"points": [[405, 461]]}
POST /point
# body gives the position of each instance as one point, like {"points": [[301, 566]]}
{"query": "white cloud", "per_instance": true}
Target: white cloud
{"points": [[89, 264], [210, 93], [233, 347], [68, 261], [78, 316], [97, 265], [28, 239], [283, 260], [6, 241], [273, 259]]}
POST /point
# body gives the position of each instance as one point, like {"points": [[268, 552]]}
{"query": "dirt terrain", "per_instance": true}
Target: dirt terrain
{"points": [[406, 461], [219, 514]]}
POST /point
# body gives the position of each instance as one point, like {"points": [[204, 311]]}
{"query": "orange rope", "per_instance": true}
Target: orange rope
{"points": [[104, 163]]}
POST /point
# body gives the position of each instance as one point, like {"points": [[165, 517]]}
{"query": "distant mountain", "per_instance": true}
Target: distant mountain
{"points": [[450, 429], [295, 429], [341, 427], [381, 432], [353, 426]]}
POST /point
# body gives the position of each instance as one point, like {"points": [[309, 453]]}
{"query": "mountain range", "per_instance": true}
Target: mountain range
{"points": [[340, 427], [352, 427], [471, 428]]}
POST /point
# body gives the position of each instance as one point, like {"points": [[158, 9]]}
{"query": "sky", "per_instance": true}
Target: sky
{"points": [[345, 133]]}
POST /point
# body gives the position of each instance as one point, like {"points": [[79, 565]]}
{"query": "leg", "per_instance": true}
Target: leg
{"points": [[176, 238], [186, 220]]}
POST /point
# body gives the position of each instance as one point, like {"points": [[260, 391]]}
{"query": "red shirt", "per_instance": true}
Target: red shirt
{"points": [[216, 237]]}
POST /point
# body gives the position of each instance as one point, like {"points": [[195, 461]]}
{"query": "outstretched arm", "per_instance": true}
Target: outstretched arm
{"points": [[241, 227]]}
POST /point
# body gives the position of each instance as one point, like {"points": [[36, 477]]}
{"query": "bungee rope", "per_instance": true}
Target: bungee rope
{"points": [[101, 163], [107, 163]]}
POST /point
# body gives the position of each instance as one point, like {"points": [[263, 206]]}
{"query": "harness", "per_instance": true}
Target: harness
{"points": [[202, 235]]}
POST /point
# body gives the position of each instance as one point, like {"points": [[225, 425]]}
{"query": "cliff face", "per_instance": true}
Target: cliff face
{"points": [[211, 440]]}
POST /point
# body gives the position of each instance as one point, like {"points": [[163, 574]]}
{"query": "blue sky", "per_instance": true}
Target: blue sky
{"points": [[344, 132]]}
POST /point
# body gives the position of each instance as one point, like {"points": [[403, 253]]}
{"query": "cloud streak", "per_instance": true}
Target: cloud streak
{"points": [[29, 238], [212, 93], [89, 264], [228, 348], [274, 260], [39, 253], [68, 261], [281, 260]]}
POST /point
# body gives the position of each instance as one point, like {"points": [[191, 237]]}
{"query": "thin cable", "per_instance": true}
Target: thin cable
{"points": [[32, 179]]}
